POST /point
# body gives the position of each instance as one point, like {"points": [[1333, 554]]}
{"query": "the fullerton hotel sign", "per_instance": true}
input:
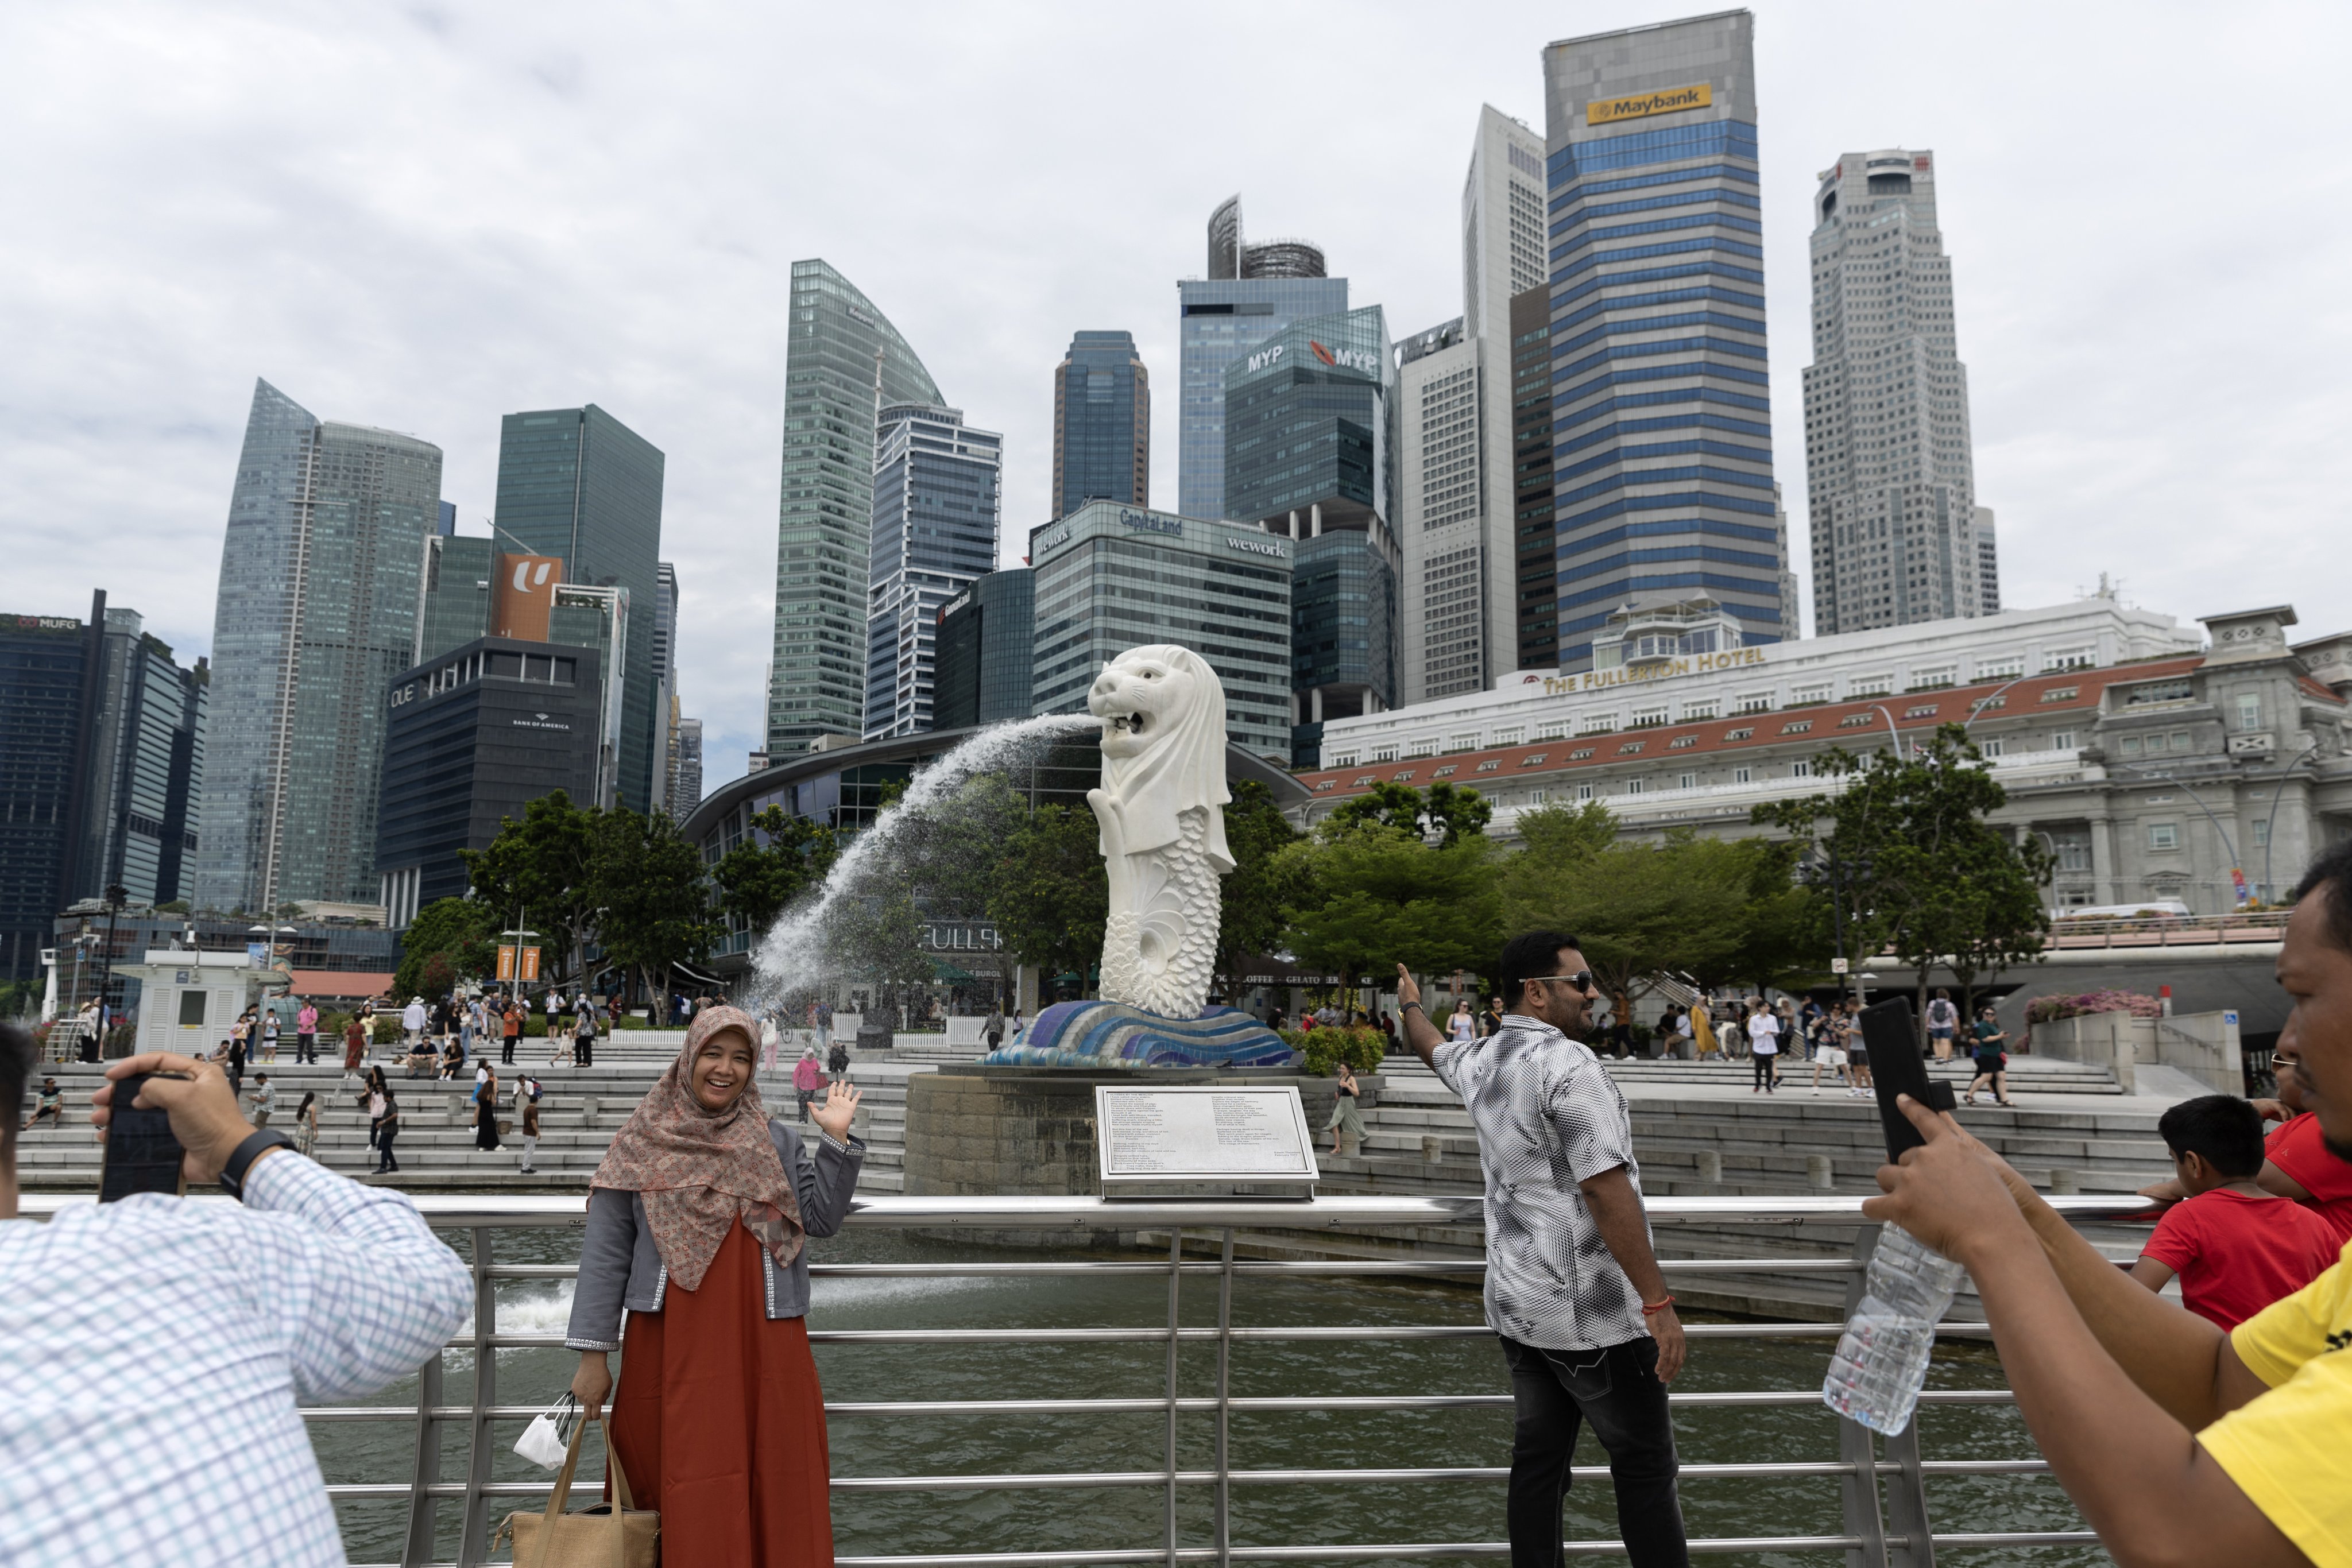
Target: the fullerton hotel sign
{"points": [[1652, 670]]}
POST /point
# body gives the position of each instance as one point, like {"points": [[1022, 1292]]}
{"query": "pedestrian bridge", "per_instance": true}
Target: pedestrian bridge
{"points": [[449, 1491]]}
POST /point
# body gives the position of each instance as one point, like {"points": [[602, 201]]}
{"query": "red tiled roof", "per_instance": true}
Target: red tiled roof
{"points": [[2071, 691]]}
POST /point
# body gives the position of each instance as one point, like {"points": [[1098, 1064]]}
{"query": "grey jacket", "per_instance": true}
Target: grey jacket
{"points": [[619, 1266]]}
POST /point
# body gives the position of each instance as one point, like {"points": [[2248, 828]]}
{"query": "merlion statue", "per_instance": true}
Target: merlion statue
{"points": [[1161, 811]]}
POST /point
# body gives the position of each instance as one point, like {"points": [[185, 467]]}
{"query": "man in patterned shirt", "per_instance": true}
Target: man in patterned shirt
{"points": [[154, 1351], [1573, 1288]]}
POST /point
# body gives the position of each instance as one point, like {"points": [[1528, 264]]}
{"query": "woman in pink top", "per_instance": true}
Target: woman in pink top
{"points": [[808, 1078]]}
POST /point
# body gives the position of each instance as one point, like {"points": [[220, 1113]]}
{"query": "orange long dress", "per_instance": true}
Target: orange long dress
{"points": [[720, 1422]]}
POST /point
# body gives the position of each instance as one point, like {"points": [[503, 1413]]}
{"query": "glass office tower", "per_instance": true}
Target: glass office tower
{"points": [[146, 764], [1111, 578], [937, 503], [1661, 404], [987, 642], [578, 485], [1311, 455], [1223, 318], [316, 612], [843, 362], [1102, 424]]}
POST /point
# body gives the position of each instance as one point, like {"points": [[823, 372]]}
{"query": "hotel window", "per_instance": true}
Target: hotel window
{"points": [[1596, 723], [1383, 754], [1645, 718], [1556, 729], [1511, 736], [2061, 740], [2061, 694], [1935, 679], [1680, 741], [1344, 759], [1537, 797], [2249, 711], [2068, 659], [1401, 777], [1706, 710], [1327, 784], [2131, 745], [2159, 692], [1463, 742], [1739, 776], [1686, 781], [1488, 766], [1870, 685], [2261, 834], [1425, 746], [1360, 782], [1803, 694], [2164, 835], [1580, 754], [1923, 710], [1738, 734], [1856, 720], [1584, 791], [1797, 726], [1444, 772], [1631, 749], [1993, 746], [1752, 702], [1532, 758], [1801, 770], [2006, 668], [1635, 786], [2181, 740]]}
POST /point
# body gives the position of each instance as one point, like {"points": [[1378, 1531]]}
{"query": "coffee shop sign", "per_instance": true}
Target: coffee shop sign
{"points": [[1659, 670]]}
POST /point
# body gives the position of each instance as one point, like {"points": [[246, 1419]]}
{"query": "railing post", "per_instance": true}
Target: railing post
{"points": [[425, 1469], [1910, 1542], [474, 1534], [1858, 1488], [1175, 1281], [1224, 1402]]}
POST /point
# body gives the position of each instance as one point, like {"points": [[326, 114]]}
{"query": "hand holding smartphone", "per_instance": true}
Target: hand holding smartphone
{"points": [[142, 1154], [1896, 1067]]}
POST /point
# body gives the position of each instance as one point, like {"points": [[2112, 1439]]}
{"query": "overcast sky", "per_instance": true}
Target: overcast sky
{"points": [[425, 216]]}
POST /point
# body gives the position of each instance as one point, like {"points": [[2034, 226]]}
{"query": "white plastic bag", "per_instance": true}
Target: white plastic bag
{"points": [[546, 1440]]}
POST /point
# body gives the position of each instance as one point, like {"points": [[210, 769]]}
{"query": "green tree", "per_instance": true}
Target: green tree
{"points": [[1920, 871], [653, 905], [1250, 902], [462, 932], [1450, 813], [540, 869], [1366, 894], [782, 859], [1639, 909], [1051, 897]]}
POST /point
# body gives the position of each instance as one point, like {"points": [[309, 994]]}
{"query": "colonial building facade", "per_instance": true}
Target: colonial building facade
{"points": [[2152, 765]]}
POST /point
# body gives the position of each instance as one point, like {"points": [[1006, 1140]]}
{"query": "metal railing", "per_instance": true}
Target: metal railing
{"points": [[1884, 1520]]}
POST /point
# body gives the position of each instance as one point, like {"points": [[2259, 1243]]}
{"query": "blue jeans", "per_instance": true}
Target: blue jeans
{"points": [[1616, 1389]]}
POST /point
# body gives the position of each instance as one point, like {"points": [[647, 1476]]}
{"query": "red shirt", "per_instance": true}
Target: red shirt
{"points": [[2297, 1149], [2236, 1255]]}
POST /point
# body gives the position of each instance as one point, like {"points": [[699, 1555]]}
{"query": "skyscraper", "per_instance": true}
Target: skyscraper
{"points": [[843, 362], [987, 649], [1661, 402], [1536, 588], [1891, 479], [1310, 444], [1222, 317], [146, 765], [579, 487], [1102, 424], [316, 612], [936, 505], [666, 704], [43, 761]]}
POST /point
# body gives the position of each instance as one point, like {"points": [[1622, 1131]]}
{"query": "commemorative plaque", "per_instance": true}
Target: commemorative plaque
{"points": [[1252, 1137]]}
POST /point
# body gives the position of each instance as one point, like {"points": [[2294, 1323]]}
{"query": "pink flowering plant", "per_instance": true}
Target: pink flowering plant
{"points": [[2049, 1009]]}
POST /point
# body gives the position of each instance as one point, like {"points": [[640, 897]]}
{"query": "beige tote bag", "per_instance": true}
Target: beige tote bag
{"points": [[616, 1535]]}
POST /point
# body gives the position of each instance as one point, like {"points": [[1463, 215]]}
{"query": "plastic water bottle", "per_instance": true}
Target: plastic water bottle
{"points": [[1882, 1358]]}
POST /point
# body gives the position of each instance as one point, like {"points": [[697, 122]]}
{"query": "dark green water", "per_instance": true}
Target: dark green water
{"points": [[887, 1523]]}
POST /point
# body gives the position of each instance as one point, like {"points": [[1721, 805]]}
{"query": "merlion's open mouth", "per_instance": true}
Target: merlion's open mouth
{"points": [[1126, 723]]}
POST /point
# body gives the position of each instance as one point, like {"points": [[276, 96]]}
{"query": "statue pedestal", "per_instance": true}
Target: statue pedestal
{"points": [[978, 1130], [1109, 1035]]}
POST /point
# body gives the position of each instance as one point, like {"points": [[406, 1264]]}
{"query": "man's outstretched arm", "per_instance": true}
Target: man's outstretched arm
{"points": [[2156, 1497], [1419, 1032]]}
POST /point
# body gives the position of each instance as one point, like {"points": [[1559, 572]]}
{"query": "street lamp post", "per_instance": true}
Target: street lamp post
{"points": [[2270, 823], [2228, 844], [116, 894]]}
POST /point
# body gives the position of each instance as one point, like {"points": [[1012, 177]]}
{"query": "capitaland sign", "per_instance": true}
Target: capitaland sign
{"points": [[1655, 670], [1602, 110], [1154, 522]]}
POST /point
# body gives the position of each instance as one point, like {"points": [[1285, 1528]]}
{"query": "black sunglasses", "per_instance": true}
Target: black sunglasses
{"points": [[1582, 981]]}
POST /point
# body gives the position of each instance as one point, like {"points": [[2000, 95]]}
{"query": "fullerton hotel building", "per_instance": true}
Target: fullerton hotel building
{"points": [[2156, 761]]}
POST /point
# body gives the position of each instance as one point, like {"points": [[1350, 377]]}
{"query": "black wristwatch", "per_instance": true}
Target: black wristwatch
{"points": [[241, 1158]]}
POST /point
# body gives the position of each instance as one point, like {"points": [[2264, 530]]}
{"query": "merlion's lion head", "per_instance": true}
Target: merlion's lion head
{"points": [[1163, 744]]}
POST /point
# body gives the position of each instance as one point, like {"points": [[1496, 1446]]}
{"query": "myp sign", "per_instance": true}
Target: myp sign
{"points": [[1266, 358], [1346, 358], [1152, 522]]}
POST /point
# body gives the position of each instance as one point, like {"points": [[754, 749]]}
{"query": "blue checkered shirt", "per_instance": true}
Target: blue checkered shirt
{"points": [[153, 1353]]}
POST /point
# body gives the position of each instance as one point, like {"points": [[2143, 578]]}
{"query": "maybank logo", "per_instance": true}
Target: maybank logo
{"points": [[1347, 359], [1602, 110]]}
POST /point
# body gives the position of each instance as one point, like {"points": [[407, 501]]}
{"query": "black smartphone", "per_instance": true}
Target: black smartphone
{"points": [[141, 1154], [1896, 1067]]}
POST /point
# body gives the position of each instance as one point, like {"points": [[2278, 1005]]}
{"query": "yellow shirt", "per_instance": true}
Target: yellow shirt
{"points": [[1701, 1029], [2290, 1450]]}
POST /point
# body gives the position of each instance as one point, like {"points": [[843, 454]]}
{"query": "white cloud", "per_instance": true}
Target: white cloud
{"points": [[426, 217]]}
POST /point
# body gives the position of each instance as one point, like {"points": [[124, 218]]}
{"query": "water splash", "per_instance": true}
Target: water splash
{"points": [[804, 950]]}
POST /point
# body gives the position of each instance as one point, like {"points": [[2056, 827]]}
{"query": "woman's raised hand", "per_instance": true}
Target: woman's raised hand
{"points": [[841, 1097]]}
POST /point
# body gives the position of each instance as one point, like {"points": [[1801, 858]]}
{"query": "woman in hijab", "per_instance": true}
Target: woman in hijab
{"points": [[697, 1221]]}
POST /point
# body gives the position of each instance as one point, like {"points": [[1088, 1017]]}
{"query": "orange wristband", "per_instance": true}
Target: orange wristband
{"points": [[1658, 1306]]}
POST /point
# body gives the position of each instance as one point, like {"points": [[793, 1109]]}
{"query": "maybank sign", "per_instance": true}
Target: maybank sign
{"points": [[1652, 670], [1602, 110]]}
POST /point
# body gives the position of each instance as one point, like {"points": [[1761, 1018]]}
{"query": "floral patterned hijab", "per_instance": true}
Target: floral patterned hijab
{"points": [[699, 1170]]}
